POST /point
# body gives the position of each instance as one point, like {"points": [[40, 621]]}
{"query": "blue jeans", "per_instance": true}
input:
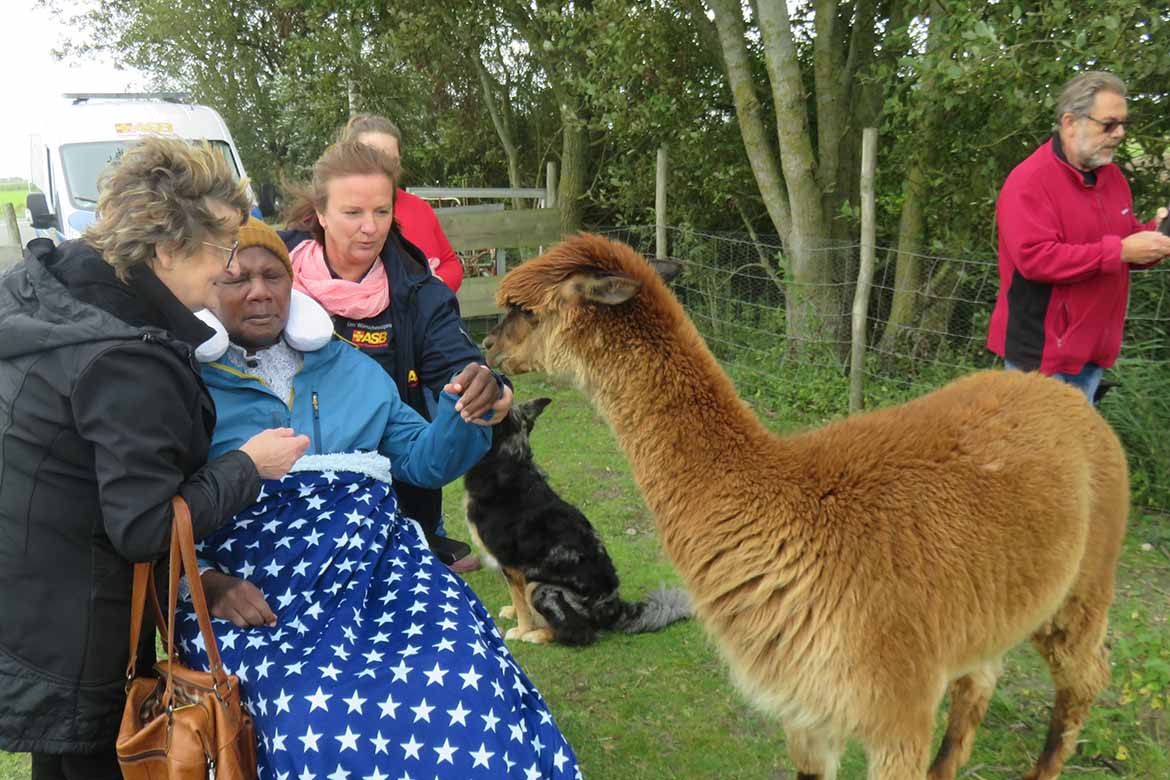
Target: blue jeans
{"points": [[1086, 381]]}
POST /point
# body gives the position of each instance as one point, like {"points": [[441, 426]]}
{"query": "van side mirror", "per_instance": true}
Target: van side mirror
{"points": [[38, 209]]}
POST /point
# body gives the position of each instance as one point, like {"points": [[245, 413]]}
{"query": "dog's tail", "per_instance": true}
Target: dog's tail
{"points": [[661, 608]]}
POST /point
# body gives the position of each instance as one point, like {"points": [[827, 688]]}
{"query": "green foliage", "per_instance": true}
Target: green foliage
{"points": [[1139, 410]]}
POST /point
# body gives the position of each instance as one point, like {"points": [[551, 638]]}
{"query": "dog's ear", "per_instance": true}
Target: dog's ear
{"points": [[536, 406], [530, 410]]}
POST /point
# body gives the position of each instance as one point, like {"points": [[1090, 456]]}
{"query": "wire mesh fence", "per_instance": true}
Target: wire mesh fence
{"points": [[926, 324]]}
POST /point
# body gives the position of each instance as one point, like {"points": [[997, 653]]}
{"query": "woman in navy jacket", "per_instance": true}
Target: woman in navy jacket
{"points": [[350, 256]]}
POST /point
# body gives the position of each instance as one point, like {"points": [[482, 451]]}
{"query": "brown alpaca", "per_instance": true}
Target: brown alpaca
{"points": [[850, 574]]}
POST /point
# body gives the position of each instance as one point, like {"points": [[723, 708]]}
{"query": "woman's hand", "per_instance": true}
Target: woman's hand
{"points": [[499, 409], [236, 600], [477, 389], [275, 450]]}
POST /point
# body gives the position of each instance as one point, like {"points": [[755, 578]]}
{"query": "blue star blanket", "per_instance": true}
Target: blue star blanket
{"points": [[383, 665]]}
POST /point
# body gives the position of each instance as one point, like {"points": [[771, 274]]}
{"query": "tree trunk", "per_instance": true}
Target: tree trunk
{"points": [[813, 303], [571, 186], [502, 125], [912, 222], [908, 271], [730, 27]]}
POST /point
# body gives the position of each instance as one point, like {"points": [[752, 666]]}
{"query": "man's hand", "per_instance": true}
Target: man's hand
{"points": [[1148, 246], [236, 600], [477, 390]]}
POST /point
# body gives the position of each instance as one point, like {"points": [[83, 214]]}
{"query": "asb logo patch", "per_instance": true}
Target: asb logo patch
{"points": [[370, 338], [411, 378]]}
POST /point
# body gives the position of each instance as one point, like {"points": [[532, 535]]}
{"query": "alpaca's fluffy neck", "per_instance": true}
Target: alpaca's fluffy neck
{"points": [[688, 437]]}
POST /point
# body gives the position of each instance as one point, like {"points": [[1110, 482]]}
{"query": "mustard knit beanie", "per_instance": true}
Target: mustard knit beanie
{"points": [[256, 233]]}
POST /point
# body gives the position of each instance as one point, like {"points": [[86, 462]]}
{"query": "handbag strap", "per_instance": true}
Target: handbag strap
{"points": [[144, 587], [143, 581], [183, 546]]}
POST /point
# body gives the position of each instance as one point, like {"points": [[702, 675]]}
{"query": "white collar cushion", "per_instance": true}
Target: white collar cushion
{"points": [[309, 328]]}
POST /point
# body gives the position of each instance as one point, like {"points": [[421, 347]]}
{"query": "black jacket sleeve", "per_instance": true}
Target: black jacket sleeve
{"points": [[140, 409]]}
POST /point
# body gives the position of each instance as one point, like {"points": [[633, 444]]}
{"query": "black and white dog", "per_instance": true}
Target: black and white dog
{"points": [[562, 581]]}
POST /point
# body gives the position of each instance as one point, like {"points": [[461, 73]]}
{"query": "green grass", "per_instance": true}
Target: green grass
{"points": [[659, 706], [16, 198]]}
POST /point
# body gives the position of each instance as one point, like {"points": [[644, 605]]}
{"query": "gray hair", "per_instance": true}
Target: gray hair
{"points": [[1077, 96]]}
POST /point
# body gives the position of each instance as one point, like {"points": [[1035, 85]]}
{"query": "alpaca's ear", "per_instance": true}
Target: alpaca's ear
{"points": [[608, 290]]}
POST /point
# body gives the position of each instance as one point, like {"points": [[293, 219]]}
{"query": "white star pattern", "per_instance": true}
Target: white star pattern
{"points": [[446, 752], [481, 756], [318, 700], [348, 740], [389, 707], [354, 703], [310, 739], [369, 625], [422, 711], [411, 748]]}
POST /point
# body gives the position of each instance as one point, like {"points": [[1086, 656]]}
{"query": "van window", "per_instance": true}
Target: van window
{"points": [[84, 165]]}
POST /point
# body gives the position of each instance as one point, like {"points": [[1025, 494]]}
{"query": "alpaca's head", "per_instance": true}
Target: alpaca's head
{"points": [[573, 305]]}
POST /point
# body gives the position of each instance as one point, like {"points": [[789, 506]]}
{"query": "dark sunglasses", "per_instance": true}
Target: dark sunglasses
{"points": [[1109, 125]]}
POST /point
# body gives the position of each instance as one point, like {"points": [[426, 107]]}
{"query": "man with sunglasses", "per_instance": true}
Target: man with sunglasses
{"points": [[1068, 239]]}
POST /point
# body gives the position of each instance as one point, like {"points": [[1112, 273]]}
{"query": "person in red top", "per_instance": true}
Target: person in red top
{"points": [[1068, 239], [415, 217]]}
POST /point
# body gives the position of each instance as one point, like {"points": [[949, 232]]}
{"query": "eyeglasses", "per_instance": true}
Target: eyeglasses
{"points": [[1109, 125], [231, 250]]}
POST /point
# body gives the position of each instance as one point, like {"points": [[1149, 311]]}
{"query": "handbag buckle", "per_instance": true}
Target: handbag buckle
{"points": [[222, 696], [170, 727]]}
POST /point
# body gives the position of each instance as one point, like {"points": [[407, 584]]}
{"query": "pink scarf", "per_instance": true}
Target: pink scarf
{"points": [[356, 300]]}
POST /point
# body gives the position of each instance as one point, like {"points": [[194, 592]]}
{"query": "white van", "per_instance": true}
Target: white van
{"points": [[91, 131]]}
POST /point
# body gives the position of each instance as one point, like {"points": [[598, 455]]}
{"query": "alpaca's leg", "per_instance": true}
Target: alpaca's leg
{"points": [[815, 754], [1073, 644], [904, 751], [969, 697], [903, 760]]}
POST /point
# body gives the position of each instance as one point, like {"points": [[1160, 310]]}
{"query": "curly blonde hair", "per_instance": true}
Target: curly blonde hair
{"points": [[344, 158], [158, 194]]}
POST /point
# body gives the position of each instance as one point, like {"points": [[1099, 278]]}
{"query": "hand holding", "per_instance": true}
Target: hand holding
{"points": [[499, 409], [1147, 246], [477, 390], [275, 450]]}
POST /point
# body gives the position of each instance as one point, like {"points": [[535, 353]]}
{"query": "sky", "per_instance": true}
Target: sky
{"points": [[33, 80]]}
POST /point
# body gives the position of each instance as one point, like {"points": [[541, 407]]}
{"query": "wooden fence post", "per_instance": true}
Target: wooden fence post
{"points": [[12, 228], [865, 268], [550, 185], [660, 205]]}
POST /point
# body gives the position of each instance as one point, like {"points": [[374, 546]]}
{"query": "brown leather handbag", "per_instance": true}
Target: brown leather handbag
{"points": [[183, 724]]}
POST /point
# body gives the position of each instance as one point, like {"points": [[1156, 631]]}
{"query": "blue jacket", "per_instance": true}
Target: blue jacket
{"points": [[344, 402], [430, 346]]}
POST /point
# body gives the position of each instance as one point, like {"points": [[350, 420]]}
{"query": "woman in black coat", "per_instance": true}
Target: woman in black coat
{"points": [[103, 418]]}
